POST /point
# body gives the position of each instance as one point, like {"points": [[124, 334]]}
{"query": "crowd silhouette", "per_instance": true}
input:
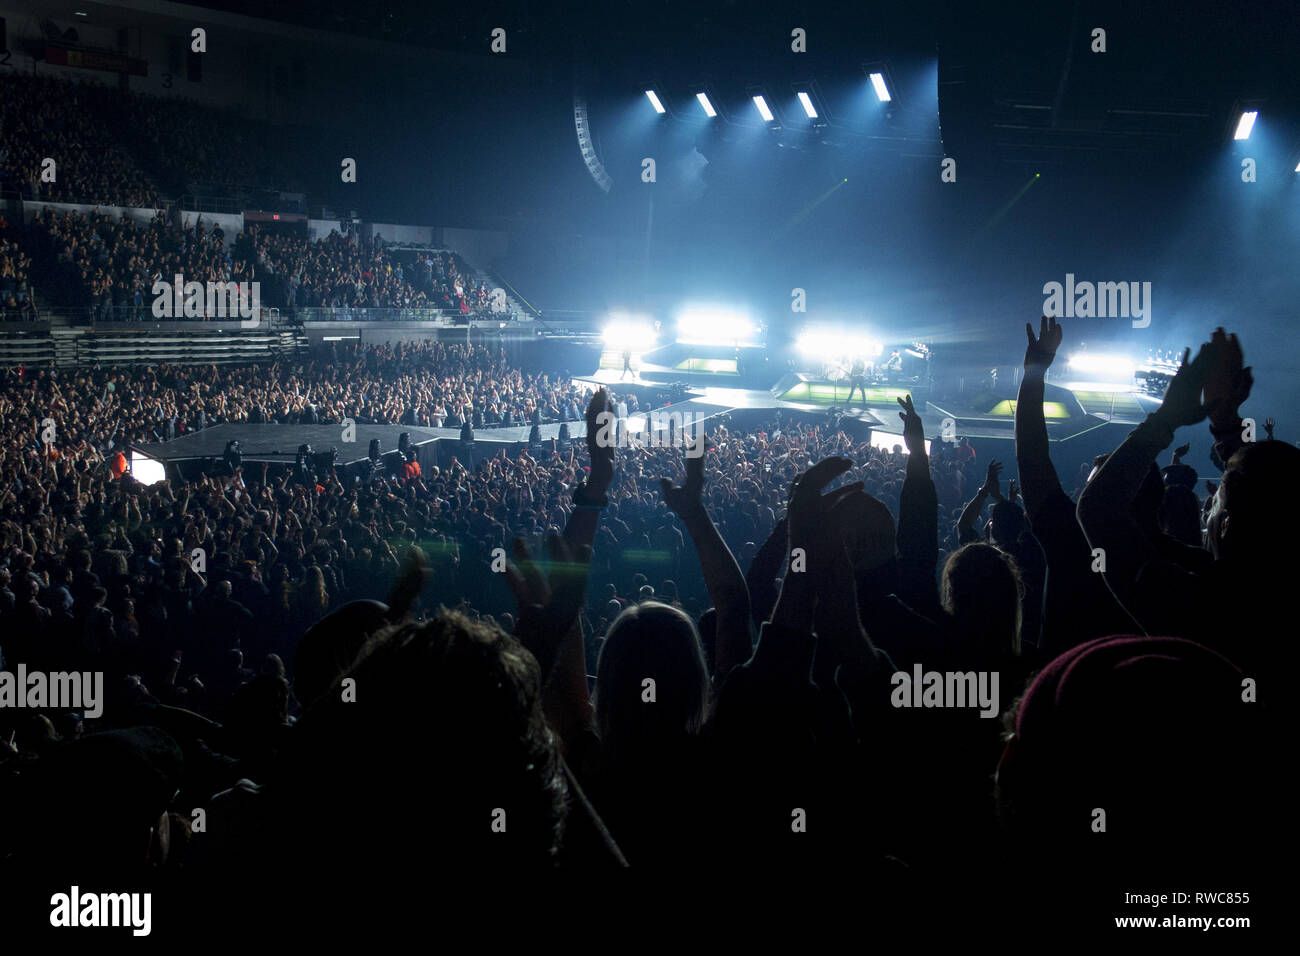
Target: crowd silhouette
{"points": [[691, 659]]}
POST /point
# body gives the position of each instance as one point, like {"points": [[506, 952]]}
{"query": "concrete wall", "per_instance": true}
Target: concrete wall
{"points": [[320, 228], [481, 247]]}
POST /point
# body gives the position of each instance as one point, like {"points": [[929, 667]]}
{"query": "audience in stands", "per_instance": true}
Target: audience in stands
{"points": [[691, 660]]}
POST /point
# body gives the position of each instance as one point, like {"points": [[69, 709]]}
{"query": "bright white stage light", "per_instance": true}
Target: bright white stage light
{"points": [[1297, 167], [807, 103], [708, 107], [1245, 125], [882, 91], [653, 97], [831, 346], [1116, 367], [763, 111], [886, 442], [705, 326], [147, 471], [628, 334]]}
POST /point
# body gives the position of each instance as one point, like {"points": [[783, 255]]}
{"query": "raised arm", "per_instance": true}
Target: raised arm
{"points": [[722, 575], [761, 577], [966, 530], [1227, 386], [567, 697], [918, 517], [1038, 479], [1105, 507]]}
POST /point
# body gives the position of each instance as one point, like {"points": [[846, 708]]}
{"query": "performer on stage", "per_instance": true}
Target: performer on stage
{"points": [[857, 379], [627, 366]]}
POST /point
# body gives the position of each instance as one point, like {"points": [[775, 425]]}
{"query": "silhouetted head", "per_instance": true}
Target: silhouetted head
{"points": [[1107, 766], [982, 591], [657, 643], [1253, 516], [1180, 515], [443, 717], [1006, 524]]}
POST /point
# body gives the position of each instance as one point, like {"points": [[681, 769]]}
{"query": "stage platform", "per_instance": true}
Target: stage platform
{"points": [[1088, 415], [1069, 413], [278, 444]]}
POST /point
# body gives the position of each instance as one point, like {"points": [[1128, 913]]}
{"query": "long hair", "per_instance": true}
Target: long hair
{"points": [[650, 642], [315, 598], [445, 718]]}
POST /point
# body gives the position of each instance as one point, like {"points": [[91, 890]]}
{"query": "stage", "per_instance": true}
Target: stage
{"points": [[1083, 418]]}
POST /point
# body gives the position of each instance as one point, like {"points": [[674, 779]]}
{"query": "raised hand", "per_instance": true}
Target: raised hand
{"points": [[547, 606], [913, 429], [810, 513], [816, 524], [1182, 404], [602, 458], [991, 478], [686, 501], [1227, 383], [1040, 352], [1269, 425]]}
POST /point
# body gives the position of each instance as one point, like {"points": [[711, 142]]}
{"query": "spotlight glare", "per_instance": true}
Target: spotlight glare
{"points": [[830, 345], [1116, 367], [147, 471], [806, 101], [1245, 125], [653, 97], [629, 334], [708, 326], [763, 110], [882, 91], [708, 107]]}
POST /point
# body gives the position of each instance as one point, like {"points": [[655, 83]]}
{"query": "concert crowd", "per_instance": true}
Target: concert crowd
{"points": [[637, 657]]}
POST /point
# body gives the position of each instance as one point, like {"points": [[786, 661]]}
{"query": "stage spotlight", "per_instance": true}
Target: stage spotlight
{"points": [[705, 326], [629, 335], [763, 110], [1245, 124], [147, 471], [830, 345], [806, 101], [882, 89], [708, 107], [1297, 167], [887, 442], [653, 97], [1116, 367]]}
